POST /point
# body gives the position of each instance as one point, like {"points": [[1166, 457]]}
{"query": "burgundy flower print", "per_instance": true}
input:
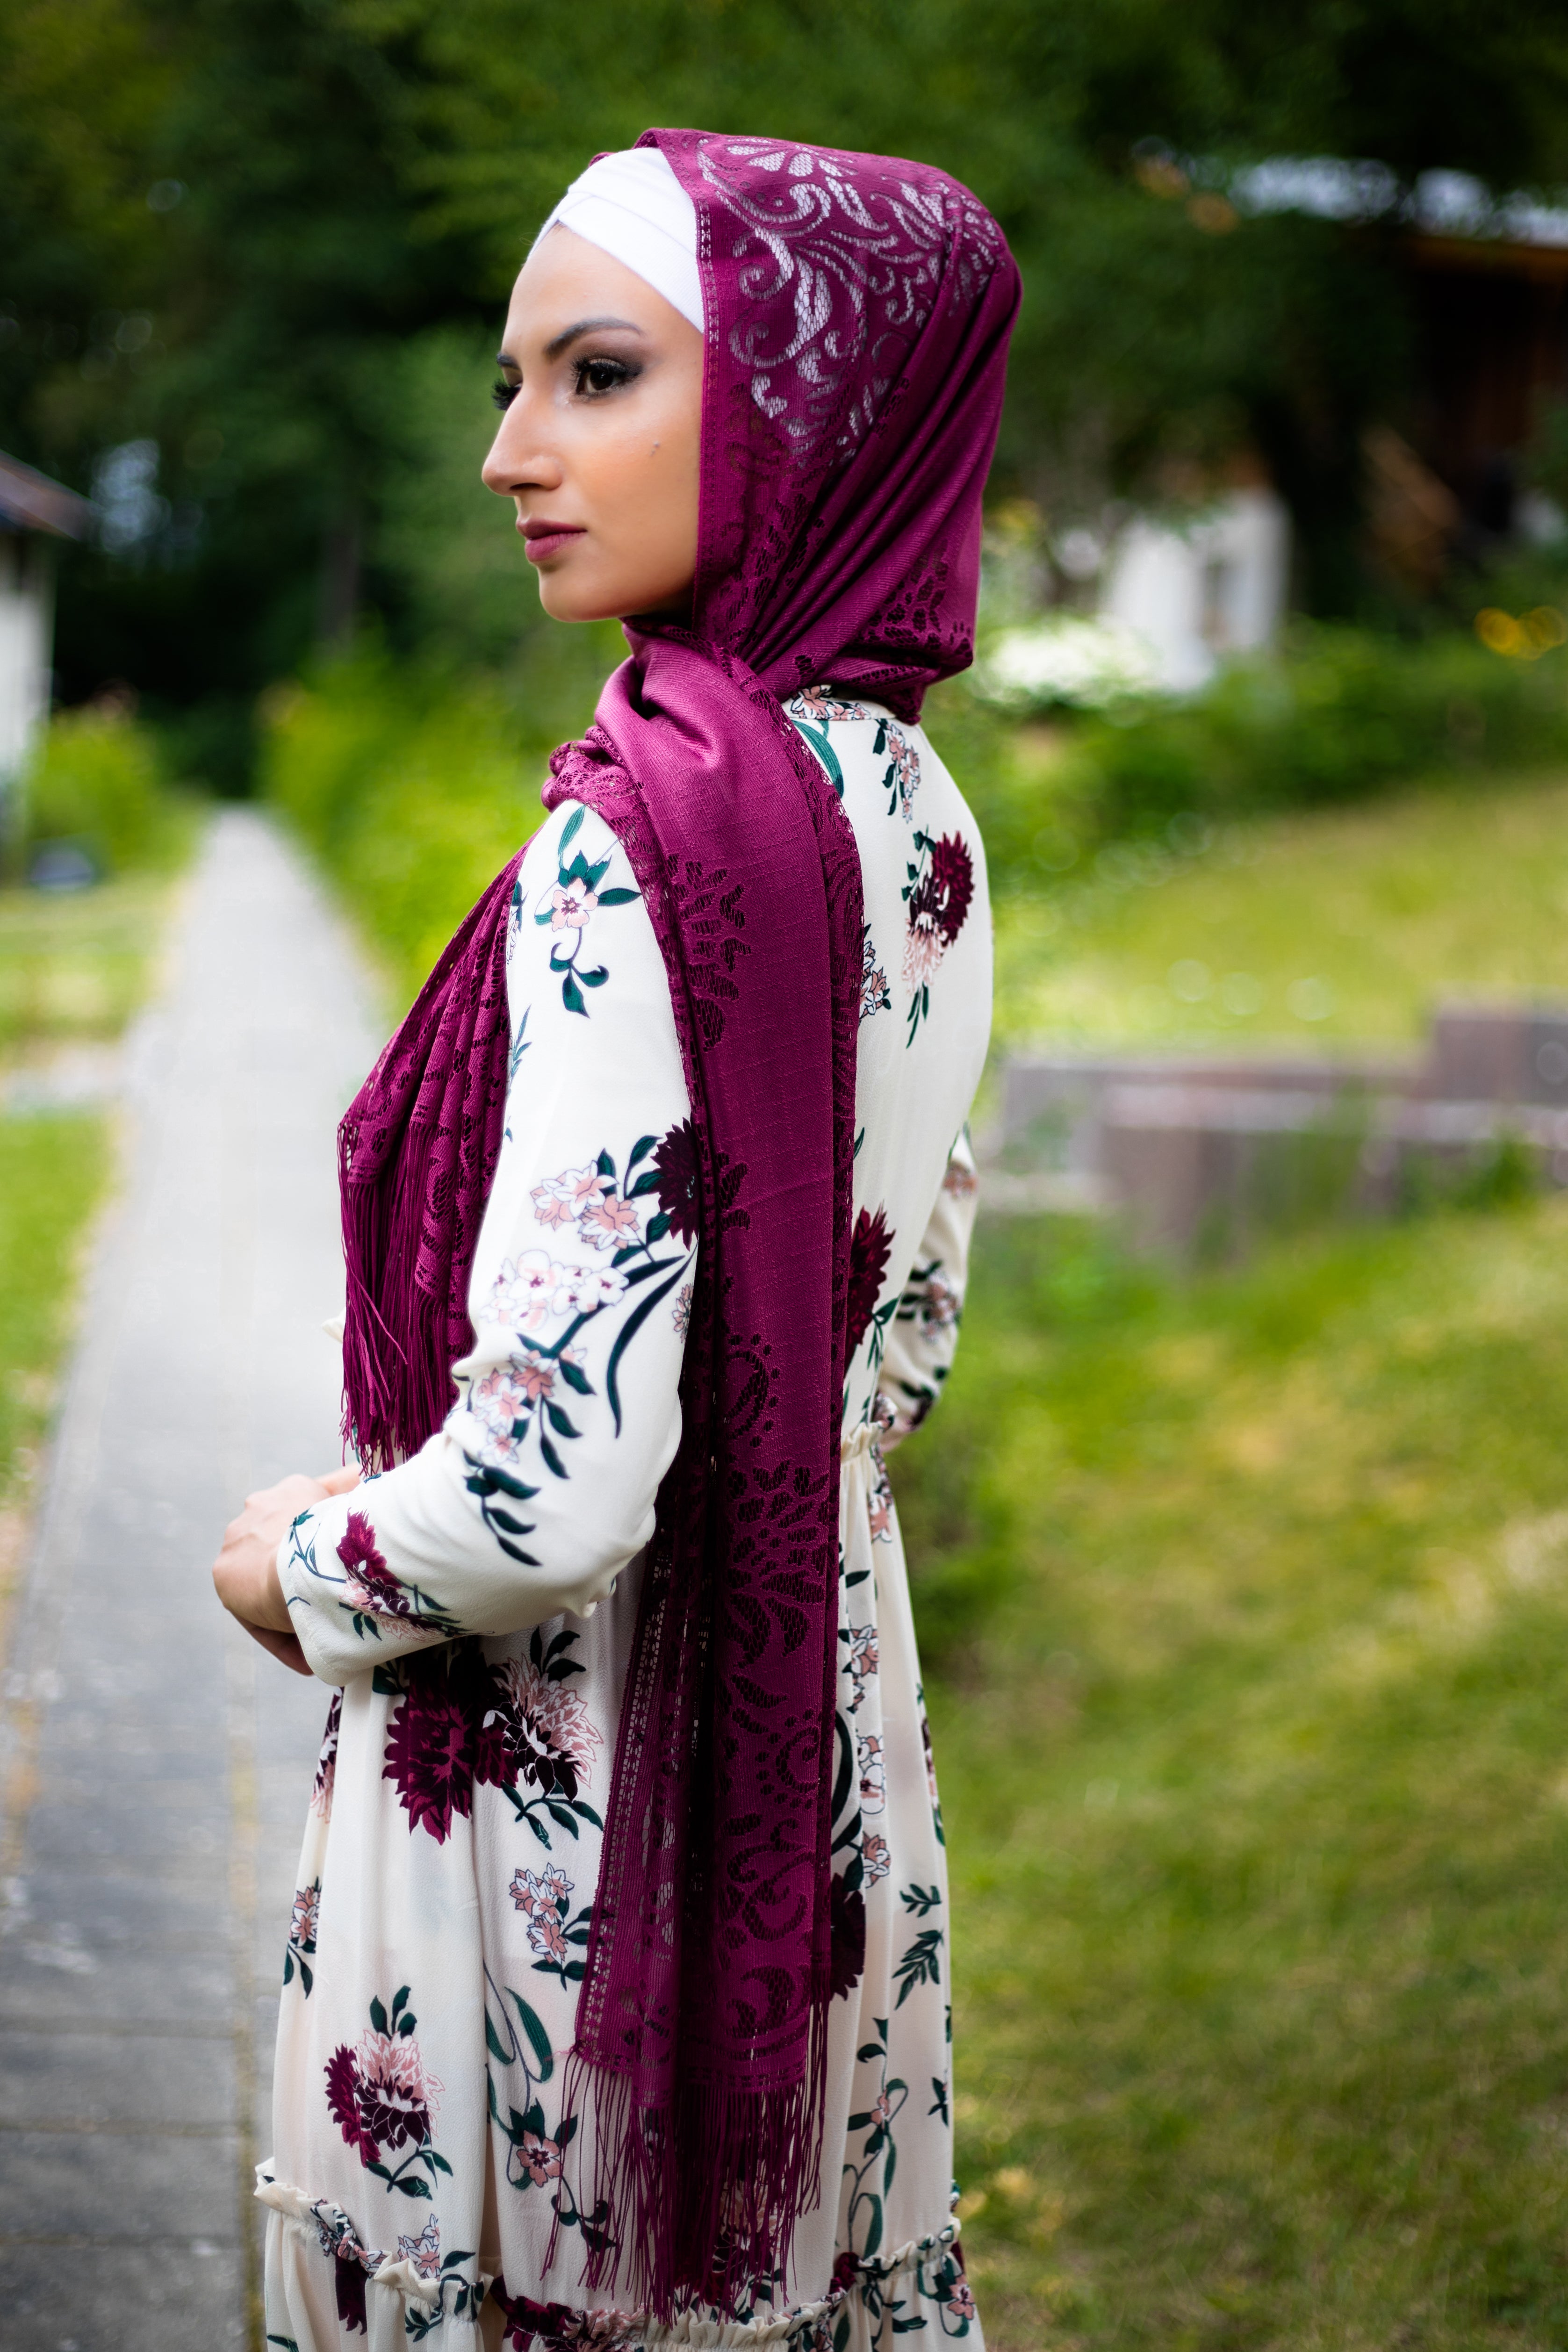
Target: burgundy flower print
{"points": [[846, 1945], [347, 2277], [376, 1600], [438, 1742], [383, 2097], [870, 1247], [327, 1761], [875, 1858], [938, 891], [369, 1585], [679, 1184]]}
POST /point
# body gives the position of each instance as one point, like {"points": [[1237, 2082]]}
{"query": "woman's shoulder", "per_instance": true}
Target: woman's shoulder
{"points": [[879, 764]]}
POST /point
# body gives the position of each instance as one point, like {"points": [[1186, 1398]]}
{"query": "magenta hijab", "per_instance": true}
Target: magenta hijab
{"points": [[858, 314]]}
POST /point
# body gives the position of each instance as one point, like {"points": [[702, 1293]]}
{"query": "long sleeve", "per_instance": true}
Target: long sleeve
{"points": [[923, 1337], [540, 1487]]}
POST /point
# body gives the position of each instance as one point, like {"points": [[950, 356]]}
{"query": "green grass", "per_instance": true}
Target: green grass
{"points": [[74, 968], [52, 1172], [1347, 925], [1245, 1608]]}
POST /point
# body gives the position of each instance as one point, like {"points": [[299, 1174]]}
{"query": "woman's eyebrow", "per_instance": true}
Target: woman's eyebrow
{"points": [[553, 351], [569, 335]]}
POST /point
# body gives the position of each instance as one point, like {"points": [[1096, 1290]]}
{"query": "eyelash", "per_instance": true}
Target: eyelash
{"points": [[619, 372]]}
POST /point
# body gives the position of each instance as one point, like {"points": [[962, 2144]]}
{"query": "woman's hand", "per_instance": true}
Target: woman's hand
{"points": [[245, 1570]]}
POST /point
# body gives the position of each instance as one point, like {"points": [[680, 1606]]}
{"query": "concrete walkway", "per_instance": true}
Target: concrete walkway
{"points": [[154, 1764]]}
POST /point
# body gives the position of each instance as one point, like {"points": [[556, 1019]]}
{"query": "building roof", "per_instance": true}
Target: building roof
{"points": [[30, 502]]}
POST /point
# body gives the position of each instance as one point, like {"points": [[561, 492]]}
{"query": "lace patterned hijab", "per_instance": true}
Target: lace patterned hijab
{"points": [[855, 315]]}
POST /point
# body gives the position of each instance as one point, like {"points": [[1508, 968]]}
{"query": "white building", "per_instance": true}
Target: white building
{"points": [[33, 512], [1198, 592]]}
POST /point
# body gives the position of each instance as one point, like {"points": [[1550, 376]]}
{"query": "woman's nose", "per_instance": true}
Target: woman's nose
{"points": [[513, 466]]}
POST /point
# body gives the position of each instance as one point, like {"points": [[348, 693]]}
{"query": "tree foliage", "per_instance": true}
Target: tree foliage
{"points": [[267, 234]]}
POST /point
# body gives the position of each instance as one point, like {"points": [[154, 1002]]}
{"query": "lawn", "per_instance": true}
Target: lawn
{"points": [[1340, 927], [72, 971], [1245, 1602], [1244, 1598]]}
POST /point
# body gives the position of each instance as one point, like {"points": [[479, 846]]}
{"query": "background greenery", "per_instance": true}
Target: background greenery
{"points": [[1241, 1594], [273, 238]]}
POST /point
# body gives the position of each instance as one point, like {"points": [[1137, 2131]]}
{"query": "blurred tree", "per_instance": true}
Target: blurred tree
{"points": [[265, 235]]}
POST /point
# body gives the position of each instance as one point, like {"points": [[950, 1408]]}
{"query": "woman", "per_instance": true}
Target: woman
{"points": [[616, 2004]]}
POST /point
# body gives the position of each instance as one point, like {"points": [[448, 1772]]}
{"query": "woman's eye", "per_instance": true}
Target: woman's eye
{"points": [[602, 375], [502, 393]]}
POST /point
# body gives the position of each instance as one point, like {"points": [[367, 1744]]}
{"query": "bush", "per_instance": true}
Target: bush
{"points": [[1338, 715], [411, 791], [100, 779]]}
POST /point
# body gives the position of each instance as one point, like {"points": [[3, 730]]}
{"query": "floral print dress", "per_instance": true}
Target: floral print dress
{"points": [[472, 1610]]}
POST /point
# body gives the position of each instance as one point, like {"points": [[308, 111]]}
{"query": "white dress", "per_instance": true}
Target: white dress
{"points": [[475, 1607]]}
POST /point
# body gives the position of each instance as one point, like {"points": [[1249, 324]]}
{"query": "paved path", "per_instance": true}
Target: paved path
{"points": [[153, 1762]]}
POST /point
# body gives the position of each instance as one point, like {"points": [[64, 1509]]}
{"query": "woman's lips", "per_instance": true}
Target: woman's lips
{"points": [[539, 544]]}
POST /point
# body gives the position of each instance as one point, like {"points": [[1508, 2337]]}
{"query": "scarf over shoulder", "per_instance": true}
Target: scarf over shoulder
{"points": [[857, 310]]}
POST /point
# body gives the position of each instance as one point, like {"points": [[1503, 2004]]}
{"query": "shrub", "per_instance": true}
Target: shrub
{"points": [[1336, 716], [99, 778], [411, 791]]}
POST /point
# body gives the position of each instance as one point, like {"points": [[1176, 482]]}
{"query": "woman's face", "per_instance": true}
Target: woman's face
{"points": [[600, 441]]}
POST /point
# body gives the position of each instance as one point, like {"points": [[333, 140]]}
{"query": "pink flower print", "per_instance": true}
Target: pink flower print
{"points": [[586, 1289], [544, 1892], [940, 1305], [582, 1186], [382, 2094], [960, 1181], [545, 1937], [862, 1661], [397, 2092], [874, 994], [880, 1507], [820, 702], [610, 1224], [546, 1728], [536, 1377], [307, 1912], [882, 2108], [571, 905], [905, 771], [425, 2251], [873, 1773], [523, 1292], [550, 1208], [680, 1313], [960, 2299], [875, 1859], [541, 2158], [499, 1403]]}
